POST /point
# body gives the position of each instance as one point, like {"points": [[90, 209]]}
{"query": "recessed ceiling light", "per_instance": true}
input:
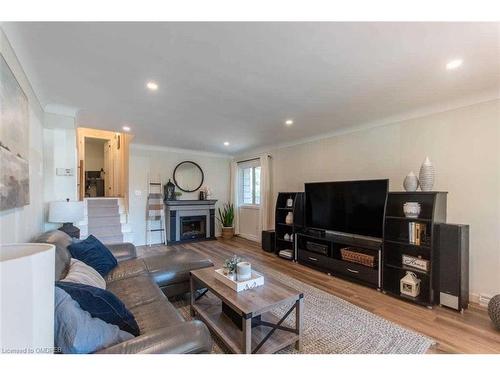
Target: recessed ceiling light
{"points": [[226, 143], [153, 86], [126, 128], [289, 122], [453, 64]]}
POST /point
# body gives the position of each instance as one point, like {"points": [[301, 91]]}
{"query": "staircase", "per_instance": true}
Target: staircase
{"points": [[106, 219]]}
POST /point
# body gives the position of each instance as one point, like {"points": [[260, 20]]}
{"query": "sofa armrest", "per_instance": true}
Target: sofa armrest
{"points": [[185, 338], [122, 251]]}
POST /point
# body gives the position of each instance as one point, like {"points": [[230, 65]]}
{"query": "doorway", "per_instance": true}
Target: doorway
{"points": [[96, 176], [103, 163]]}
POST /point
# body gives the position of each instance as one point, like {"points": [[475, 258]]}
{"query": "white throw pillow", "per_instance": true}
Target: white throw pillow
{"points": [[81, 273]]}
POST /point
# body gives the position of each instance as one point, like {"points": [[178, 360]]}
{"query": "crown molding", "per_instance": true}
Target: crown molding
{"points": [[484, 97], [62, 110], [139, 146]]}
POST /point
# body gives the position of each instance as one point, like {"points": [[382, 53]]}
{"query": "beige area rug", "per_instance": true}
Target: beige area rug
{"points": [[335, 326]]}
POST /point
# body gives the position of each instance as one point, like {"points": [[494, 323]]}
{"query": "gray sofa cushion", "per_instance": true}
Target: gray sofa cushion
{"points": [[137, 290], [75, 331], [174, 266], [126, 269], [61, 241], [156, 315]]}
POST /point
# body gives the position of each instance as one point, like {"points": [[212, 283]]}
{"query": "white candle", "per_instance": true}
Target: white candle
{"points": [[243, 271]]}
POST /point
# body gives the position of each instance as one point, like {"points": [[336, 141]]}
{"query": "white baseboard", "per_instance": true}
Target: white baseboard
{"points": [[250, 237], [480, 298]]}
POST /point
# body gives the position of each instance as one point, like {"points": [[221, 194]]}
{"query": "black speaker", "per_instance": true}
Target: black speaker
{"points": [[453, 253], [268, 240]]}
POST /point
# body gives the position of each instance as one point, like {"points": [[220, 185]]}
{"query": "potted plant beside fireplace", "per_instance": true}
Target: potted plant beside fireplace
{"points": [[226, 219]]}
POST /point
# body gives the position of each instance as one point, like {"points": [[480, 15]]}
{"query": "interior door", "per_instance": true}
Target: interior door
{"points": [[108, 169]]}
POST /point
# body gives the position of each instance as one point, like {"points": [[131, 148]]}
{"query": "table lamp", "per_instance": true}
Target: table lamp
{"points": [[27, 298], [66, 212]]}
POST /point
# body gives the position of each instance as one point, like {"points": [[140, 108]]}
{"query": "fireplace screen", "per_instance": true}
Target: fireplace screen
{"points": [[193, 227]]}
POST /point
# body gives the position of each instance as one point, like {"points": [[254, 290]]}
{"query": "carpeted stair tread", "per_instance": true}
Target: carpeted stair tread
{"points": [[111, 230], [102, 211], [102, 203]]}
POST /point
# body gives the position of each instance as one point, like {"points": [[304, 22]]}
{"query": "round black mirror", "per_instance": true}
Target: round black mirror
{"points": [[188, 176]]}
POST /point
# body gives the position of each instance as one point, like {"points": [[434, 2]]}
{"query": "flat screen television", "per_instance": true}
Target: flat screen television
{"points": [[353, 207]]}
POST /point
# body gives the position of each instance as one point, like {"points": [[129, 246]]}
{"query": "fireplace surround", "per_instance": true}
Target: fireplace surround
{"points": [[190, 220]]}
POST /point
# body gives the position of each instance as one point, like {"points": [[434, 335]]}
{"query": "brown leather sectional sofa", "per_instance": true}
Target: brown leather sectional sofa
{"points": [[143, 285]]}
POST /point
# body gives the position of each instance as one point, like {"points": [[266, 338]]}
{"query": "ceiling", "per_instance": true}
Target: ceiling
{"points": [[239, 82]]}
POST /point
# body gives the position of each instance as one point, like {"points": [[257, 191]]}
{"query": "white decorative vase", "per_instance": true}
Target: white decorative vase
{"points": [[289, 218], [411, 182], [426, 176], [411, 209]]}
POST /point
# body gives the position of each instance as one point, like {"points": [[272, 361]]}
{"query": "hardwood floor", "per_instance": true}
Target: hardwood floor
{"points": [[471, 332]]}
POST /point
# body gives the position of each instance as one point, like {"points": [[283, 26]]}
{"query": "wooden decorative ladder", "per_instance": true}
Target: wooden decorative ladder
{"points": [[155, 211]]}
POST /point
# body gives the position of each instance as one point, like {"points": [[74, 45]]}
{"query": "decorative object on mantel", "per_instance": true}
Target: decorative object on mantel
{"points": [[289, 218], [226, 219], [207, 191], [169, 190], [411, 182], [177, 195], [412, 209], [202, 196], [188, 176], [494, 310], [410, 284], [427, 175], [289, 202]]}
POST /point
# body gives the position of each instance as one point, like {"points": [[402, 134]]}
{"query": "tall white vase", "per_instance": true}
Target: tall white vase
{"points": [[411, 182], [427, 175]]}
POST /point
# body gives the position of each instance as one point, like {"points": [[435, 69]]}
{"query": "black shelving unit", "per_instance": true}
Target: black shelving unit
{"points": [[323, 251], [282, 228], [397, 242]]}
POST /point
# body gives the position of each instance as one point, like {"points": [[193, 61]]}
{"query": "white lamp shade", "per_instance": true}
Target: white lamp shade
{"points": [[27, 298], [65, 212]]}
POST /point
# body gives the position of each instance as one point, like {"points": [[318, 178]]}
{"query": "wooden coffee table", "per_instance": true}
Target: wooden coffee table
{"points": [[247, 325]]}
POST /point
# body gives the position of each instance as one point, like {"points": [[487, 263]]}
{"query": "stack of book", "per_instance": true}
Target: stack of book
{"points": [[416, 233]]}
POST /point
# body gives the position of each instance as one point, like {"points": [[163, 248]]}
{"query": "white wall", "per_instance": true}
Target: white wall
{"points": [[94, 154], [464, 145], [157, 161], [24, 223], [59, 143]]}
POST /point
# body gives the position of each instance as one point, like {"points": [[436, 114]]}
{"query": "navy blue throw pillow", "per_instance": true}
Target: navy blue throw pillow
{"points": [[101, 304], [94, 253]]}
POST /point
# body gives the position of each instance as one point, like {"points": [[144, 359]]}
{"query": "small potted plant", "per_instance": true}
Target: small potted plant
{"points": [[230, 267], [226, 219]]}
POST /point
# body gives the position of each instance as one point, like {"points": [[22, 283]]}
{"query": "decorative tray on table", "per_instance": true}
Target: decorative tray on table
{"points": [[255, 281]]}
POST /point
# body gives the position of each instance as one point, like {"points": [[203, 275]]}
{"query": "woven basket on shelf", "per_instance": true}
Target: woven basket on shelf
{"points": [[352, 255]]}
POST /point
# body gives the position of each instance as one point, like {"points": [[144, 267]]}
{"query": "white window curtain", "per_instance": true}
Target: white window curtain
{"points": [[234, 195], [265, 192], [262, 200]]}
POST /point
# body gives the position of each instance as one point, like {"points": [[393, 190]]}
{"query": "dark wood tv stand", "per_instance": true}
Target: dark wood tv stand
{"points": [[321, 251]]}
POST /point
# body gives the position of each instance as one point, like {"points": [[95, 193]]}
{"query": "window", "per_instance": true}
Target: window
{"points": [[249, 183]]}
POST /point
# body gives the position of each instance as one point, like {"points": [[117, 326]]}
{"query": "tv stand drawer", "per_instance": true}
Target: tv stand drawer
{"points": [[357, 271], [314, 259]]}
